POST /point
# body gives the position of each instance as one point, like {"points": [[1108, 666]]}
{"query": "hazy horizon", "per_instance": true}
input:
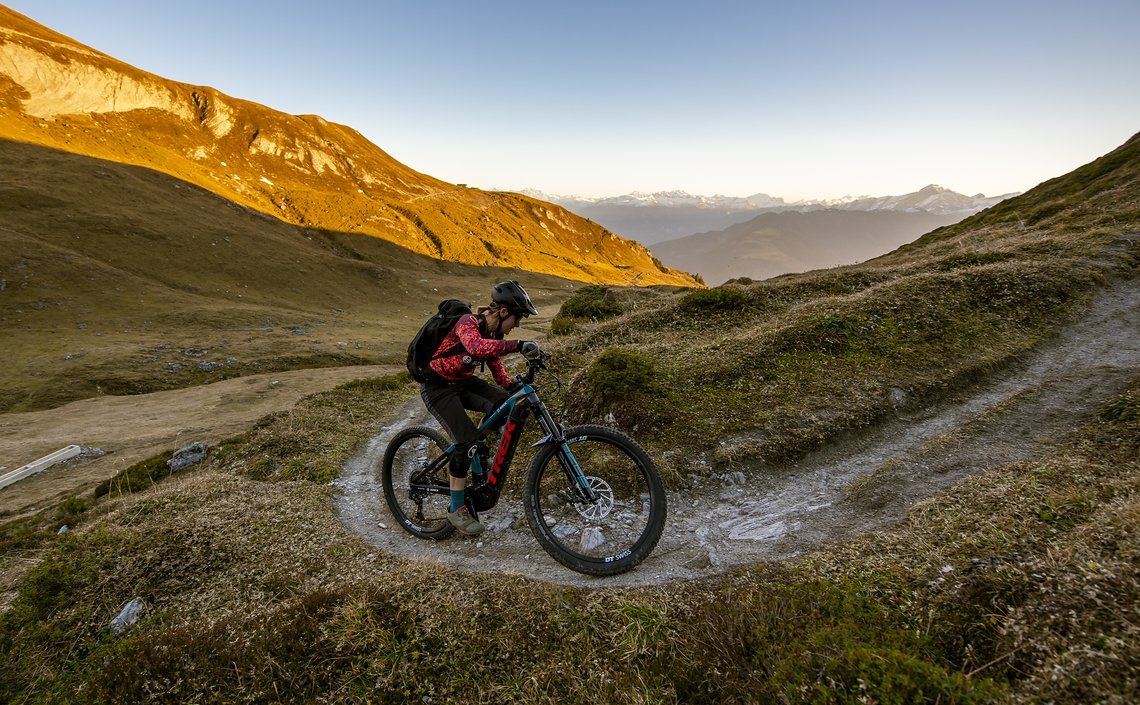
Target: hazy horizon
{"points": [[811, 101]]}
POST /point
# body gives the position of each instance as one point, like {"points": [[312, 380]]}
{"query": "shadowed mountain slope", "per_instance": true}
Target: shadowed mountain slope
{"points": [[119, 279], [779, 243], [303, 170]]}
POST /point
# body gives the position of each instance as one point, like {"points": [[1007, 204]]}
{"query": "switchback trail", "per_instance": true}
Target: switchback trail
{"points": [[855, 486]]}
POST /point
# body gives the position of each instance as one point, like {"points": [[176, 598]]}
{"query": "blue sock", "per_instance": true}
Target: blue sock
{"points": [[456, 500]]}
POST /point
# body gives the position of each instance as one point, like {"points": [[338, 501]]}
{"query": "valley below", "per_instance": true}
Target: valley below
{"points": [[123, 430]]}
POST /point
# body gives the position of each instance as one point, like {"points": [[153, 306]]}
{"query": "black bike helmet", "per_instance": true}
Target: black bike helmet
{"points": [[514, 297]]}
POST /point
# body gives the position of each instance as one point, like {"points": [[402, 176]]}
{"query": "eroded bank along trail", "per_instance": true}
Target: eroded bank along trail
{"points": [[850, 488]]}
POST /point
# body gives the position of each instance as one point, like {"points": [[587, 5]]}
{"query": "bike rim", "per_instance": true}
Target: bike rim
{"points": [[426, 512], [613, 526]]}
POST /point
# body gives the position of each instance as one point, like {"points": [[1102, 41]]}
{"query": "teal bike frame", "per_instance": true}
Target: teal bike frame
{"points": [[488, 482]]}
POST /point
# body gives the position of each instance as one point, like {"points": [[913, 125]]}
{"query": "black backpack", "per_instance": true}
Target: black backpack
{"points": [[421, 350]]}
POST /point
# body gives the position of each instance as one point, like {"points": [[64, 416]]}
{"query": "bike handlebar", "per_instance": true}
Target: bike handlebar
{"points": [[533, 365]]}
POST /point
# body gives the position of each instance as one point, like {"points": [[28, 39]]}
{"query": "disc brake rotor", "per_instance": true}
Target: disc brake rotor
{"points": [[604, 504]]}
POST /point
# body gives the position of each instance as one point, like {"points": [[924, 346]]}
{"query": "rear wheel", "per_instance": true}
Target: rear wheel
{"points": [[416, 484], [618, 528]]}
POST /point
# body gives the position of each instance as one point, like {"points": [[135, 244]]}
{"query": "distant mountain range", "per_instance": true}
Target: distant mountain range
{"points": [[761, 236], [651, 218], [777, 243]]}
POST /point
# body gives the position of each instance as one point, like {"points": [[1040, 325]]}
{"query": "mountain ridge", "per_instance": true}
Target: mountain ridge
{"points": [[653, 218], [305, 170], [931, 198]]}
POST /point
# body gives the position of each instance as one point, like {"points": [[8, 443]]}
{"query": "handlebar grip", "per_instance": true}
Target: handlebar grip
{"points": [[530, 350]]}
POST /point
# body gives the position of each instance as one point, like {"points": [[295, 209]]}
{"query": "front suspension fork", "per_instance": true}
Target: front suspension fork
{"points": [[556, 435]]}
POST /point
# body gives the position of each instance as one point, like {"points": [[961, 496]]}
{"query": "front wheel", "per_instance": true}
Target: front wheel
{"points": [[609, 528], [415, 480]]}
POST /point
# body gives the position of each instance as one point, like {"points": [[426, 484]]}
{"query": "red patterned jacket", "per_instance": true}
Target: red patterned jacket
{"points": [[472, 348]]}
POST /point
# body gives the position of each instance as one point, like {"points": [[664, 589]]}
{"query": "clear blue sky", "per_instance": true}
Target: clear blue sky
{"points": [[809, 99]]}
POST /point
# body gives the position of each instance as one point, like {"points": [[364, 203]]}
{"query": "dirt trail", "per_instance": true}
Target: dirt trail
{"points": [[853, 487], [129, 429]]}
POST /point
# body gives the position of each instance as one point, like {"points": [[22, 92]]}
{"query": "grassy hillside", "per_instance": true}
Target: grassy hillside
{"points": [[1020, 585], [117, 279], [765, 371]]}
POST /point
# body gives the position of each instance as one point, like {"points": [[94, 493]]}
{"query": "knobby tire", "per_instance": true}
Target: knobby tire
{"points": [[409, 451], [609, 537]]}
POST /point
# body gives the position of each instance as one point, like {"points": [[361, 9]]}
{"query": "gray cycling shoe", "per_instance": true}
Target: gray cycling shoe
{"points": [[466, 524]]}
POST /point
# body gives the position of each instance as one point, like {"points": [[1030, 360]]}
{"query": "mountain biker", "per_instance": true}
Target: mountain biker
{"points": [[476, 338]]}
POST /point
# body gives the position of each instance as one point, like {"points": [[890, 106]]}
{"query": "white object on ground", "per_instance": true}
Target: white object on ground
{"points": [[128, 616], [38, 465]]}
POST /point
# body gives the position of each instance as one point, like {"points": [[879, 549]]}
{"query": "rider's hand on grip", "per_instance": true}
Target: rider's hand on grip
{"points": [[529, 349]]}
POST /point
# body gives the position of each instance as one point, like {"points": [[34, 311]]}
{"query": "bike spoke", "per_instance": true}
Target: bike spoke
{"points": [[410, 467]]}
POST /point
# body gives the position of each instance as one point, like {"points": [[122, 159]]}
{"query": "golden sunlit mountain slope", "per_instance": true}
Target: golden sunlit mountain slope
{"points": [[304, 170]]}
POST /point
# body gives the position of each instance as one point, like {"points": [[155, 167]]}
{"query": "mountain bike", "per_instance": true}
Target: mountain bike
{"points": [[592, 496]]}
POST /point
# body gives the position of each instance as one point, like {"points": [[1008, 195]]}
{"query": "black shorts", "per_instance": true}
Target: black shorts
{"points": [[449, 404]]}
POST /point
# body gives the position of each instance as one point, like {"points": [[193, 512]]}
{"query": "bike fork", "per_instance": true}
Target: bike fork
{"points": [[575, 475], [557, 434]]}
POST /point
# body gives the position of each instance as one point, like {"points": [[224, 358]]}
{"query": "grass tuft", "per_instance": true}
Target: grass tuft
{"points": [[137, 477]]}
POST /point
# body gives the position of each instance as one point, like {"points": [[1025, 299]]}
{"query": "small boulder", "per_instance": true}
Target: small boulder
{"points": [[185, 457], [128, 616]]}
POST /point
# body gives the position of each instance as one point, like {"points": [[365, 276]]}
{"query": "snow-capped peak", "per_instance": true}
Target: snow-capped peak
{"points": [[931, 198]]}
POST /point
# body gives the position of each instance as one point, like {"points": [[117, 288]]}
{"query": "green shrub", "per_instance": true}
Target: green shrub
{"points": [[562, 325], [71, 509], [594, 303], [590, 303], [718, 299], [836, 332], [884, 675], [323, 476], [623, 381], [619, 373]]}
